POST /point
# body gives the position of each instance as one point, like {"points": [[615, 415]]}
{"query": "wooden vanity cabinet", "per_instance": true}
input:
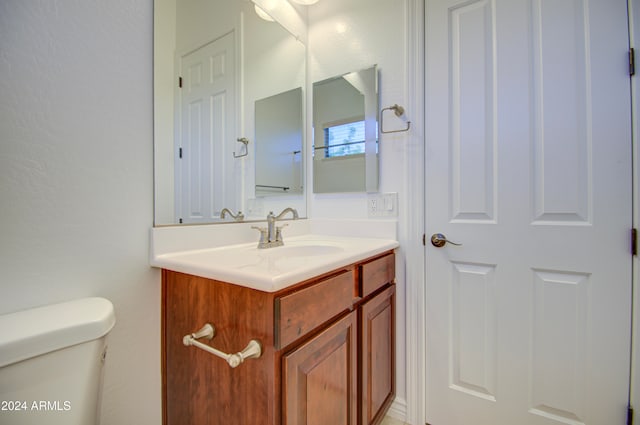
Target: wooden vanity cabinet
{"points": [[328, 349], [377, 356]]}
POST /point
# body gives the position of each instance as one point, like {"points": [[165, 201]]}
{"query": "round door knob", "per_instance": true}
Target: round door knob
{"points": [[439, 240]]}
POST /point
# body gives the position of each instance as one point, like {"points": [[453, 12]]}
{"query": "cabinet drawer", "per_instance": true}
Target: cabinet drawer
{"points": [[377, 273], [300, 312]]}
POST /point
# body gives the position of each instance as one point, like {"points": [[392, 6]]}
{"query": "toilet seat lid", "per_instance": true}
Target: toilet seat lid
{"points": [[33, 332]]}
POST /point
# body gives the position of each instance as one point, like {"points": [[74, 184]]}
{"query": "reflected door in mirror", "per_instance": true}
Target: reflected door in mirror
{"points": [[207, 95]]}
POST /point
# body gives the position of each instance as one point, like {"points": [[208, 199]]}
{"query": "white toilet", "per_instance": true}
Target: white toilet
{"points": [[51, 362]]}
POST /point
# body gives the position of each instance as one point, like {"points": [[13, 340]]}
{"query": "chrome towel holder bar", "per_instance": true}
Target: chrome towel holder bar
{"points": [[253, 350], [398, 111]]}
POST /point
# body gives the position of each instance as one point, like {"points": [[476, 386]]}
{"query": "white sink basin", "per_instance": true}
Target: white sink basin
{"points": [[298, 249], [272, 269]]}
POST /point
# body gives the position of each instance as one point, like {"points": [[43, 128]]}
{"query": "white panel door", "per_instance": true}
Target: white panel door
{"points": [[528, 166], [207, 128]]}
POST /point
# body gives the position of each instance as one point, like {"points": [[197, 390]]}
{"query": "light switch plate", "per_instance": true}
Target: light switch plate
{"points": [[382, 204]]}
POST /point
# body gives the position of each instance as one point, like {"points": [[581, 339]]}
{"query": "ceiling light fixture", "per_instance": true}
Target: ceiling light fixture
{"points": [[306, 2], [261, 13]]}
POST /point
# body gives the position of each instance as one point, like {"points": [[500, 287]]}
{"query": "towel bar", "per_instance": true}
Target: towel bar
{"points": [[398, 111], [253, 350]]}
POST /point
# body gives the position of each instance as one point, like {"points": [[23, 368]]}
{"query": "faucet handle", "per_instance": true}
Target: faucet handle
{"points": [[263, 234], [279, 232]]}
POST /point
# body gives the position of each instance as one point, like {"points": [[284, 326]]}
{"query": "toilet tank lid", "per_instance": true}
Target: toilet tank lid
{"points": [[29, 333]]}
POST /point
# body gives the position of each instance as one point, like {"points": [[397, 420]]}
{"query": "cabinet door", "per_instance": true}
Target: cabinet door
{"points": [[377, 342], [320, 378], [200, 388]]}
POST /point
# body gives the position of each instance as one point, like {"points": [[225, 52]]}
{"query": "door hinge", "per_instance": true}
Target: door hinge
{"points": [[632, 62], [634, 241], [180, 82], [629, 415]]}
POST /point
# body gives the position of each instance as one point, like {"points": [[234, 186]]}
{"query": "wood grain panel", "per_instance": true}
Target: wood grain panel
{"points": [[306, 309], [320, 378], [377, 356], [377, 273], [202, 389]]}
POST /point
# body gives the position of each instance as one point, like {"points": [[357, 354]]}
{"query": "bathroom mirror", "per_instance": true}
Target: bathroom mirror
{"points": [[345, 133], [215, 63]]}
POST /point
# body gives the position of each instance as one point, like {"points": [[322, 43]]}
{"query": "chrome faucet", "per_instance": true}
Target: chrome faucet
{"points": [[236, 217], [271, 235]]}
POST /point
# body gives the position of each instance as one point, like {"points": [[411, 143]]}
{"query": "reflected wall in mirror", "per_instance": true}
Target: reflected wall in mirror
{"points": [[214, 60], [279, 132], [345, 133]]}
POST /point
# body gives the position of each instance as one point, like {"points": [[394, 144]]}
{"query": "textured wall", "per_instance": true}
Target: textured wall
{"points": [[350, 35], [76, 190]]}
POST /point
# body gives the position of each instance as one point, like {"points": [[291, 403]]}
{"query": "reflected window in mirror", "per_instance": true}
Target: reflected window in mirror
{"points": [[344, 139], [345, 133]]}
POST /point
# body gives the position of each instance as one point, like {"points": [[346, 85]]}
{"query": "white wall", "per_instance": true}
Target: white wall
{"points": [[164, 86], [76, 189], [350, 35]]}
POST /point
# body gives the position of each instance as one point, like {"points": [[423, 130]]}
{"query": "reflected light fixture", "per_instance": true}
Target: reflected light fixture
{"points": [[261, 13], [305, 2]]}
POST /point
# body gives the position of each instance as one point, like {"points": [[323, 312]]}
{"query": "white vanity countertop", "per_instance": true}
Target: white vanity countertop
{"points": [[272, 269]]}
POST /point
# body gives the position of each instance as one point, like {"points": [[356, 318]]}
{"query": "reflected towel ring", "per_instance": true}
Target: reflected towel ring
{"points": [[245, 142], [398, 111]]}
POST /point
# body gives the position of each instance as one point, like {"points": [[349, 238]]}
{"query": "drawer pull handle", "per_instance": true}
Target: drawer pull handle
{"points": [[253, 350]]}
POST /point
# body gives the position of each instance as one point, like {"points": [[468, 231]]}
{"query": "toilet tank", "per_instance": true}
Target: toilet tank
{"points": [[51, 361]]}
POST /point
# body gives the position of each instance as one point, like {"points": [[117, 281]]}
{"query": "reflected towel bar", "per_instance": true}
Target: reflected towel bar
{"points": [[245, 142], [362, 142], [285, 188]]}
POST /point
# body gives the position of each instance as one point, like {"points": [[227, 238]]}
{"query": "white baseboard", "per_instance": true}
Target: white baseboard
{"points": [[398, 410]]}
